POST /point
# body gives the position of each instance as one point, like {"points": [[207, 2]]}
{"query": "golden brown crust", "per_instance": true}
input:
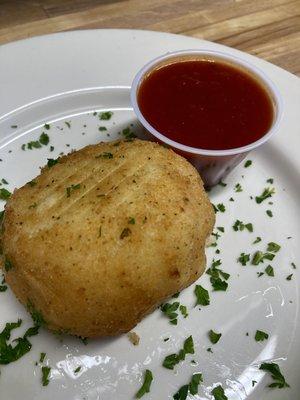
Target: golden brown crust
{"points": [[94, 259]]}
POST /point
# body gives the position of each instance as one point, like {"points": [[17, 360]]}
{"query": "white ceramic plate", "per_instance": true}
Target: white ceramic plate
{"points": [[66, 77]]}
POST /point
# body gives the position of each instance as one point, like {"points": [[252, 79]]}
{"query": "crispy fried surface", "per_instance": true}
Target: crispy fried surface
{"points": [[105, 235]]}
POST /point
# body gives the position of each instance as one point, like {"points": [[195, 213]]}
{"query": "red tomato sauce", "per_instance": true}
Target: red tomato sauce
{"points": [[206, 104]]}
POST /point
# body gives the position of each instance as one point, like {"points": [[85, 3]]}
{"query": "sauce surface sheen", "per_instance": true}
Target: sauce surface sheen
{"points": [[205, 104]]}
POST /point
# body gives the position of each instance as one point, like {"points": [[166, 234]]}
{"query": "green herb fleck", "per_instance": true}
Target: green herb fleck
{"points": [[68, 124], [44, 139], [202, 295], [3, 288], [77, 370], [71, 188], [173, 359], [14, 126], [276, 375], [170, 310], [105, 155], [221, 229], [261, 336], [259, 257], [269, 213], [270, 180], [4, 194], [102, 128], [247, 163], [257, 240], [131, 221], [293, 265], [42, 357], [253, 383], [36, 315], [269, 270], [238, 188], [148, 378], [45, 375], [267, 192], [216, 274], [8, 353], [244, 258], [7, 265], [52, 161], [105, 116], [221, 207], [259, 274], [128, 134], [240, 226], [273, 247], [191, 388], [214, 337], [183, 311], [218, 393], [289, 277], [4, 181], [223, 184], [47, 126]]}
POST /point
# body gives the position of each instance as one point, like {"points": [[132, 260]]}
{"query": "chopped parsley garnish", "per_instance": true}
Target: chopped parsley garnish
{"points": [[259, 274], [34, 144], [42, 357], [244, 258], [125, 232], [259, 257], [31, 183], [221, 229], [71, 188], [173, 359], [238, 188], [267, 192], [14, 126], [240, 226], [3, 288], [273, 247], [128, 134], [231, 199], [269, 213], [7, 265], [248, 163], [209, 350], [106, 115], [216, 274], [269, 270], [102, 128], [148, 378], [257, 240], [293, 265], [8, 353], [276, 375], [170, 310], [4, 194], [219, 207], [202, 295], [105, 155], [261, 336], [47, 126], [289, 277], [183, 311], [52, 161], [214, 337], [191, 388], [4, 181], [45, 375], [253, 383], [77, 370], [36, 315], [218, 393], [223, 184], [131, 221], [270, 180], [44, 139], [68, 124]]}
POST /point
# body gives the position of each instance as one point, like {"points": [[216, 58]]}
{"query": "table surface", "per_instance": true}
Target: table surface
{"points": [[269, 29]]}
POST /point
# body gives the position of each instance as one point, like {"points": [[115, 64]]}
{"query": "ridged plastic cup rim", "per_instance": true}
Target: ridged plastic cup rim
{"points": [[211, 53]]}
